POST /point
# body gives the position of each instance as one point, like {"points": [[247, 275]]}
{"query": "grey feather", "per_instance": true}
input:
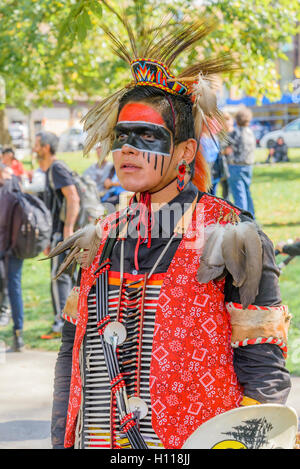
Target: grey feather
{"points": [[87, 238], [67, 262], [234, 253], [242, 252], [64, 245], [238, 249], [211, 261], [253, 252]]}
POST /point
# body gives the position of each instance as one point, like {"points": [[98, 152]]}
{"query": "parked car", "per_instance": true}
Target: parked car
{"points": [[260, 129], [19, 135], [290, 134], [72, 140]]}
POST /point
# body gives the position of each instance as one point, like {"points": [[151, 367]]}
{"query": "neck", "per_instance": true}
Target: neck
{"points": [[164, 195], [46, 162]]}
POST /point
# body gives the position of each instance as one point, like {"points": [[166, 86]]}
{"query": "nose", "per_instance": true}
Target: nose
{"points": [[127, 149]]}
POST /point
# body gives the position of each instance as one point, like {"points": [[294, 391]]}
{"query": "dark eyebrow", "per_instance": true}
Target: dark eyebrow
{"points": [[140, 127], [157, 130]]}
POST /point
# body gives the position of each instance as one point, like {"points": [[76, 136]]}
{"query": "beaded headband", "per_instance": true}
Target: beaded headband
{"points": [[151, 72]]}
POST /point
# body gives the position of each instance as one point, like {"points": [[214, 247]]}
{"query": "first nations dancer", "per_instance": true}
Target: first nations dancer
{"points": [[157, 338]]}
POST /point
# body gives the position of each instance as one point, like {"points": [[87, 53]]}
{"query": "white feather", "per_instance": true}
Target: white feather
{"points": [[205, 96]]}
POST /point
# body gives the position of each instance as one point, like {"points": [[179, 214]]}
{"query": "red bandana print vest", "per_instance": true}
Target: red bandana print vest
{"points": [[192, 378]]}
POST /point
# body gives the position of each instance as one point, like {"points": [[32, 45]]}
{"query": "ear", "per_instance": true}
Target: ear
{"points": [[47, 147], [187, 150]]}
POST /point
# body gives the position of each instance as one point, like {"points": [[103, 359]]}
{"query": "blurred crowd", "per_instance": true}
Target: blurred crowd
{"points": [[232, 157], [56, 186]]}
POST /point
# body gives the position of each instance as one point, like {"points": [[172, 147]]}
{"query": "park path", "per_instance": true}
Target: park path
{"points": [[26, 387]]}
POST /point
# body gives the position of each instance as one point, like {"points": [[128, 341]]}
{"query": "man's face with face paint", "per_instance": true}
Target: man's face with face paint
{"points": [[142, 149]]}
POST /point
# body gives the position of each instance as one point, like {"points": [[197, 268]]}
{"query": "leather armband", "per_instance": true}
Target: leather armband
{"points": [[259, 325], [70, 310]]}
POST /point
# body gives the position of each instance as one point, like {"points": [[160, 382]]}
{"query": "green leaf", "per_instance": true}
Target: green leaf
{"points": [[86, 19], [96, 8]]}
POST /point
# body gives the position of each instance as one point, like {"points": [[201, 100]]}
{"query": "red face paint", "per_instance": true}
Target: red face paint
{"points": [[139, 112]]}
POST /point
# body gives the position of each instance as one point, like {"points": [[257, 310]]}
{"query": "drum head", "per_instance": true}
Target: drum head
{"points": [[266, 426]]}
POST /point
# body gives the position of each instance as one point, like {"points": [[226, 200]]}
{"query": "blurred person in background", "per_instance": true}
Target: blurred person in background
{"points": [[113, 191], [210, 150], [279, 152], [219, 170], [100, 172], [10, 160], [11, 266], [60, 191], [241, 154], [291, 249], [35, 182]]}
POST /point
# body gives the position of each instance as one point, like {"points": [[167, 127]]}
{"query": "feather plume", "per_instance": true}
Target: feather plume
{"points": [[198, 120], [222, 63], [87, 238], [211, 261], [233, 253], [163, 43], [204, 96], [100, 121], [253, 264], [238, 249]]}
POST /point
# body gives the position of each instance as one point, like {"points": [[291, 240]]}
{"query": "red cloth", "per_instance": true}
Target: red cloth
{"points": [[18, 168], [192, 377]]}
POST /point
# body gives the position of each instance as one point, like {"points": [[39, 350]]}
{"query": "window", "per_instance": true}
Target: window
{"points": [[295, 125]]}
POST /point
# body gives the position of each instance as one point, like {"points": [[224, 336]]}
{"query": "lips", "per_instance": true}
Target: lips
{"points": [[129, 166]]}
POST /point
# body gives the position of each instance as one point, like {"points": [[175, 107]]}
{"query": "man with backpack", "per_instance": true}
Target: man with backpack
{"points": [[62, 199]]}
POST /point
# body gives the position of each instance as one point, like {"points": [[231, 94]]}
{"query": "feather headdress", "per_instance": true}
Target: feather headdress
{"points": [[150, 61]]}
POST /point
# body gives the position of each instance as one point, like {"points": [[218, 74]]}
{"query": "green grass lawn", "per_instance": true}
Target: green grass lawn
{"points": [[276, 194]]}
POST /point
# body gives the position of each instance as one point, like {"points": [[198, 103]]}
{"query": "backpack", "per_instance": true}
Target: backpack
{"points": [[90, 206], [35, 230]]}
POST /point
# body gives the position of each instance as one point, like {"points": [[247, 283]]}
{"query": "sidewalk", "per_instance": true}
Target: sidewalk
{"points": [[26, 389]]}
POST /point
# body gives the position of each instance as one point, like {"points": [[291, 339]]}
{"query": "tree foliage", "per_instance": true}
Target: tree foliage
{"points": [[56, 49], [35, 70]]}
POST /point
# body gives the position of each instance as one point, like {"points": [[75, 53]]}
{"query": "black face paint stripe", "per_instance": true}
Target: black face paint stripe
{"points": [[148, 157], [155, 162], [162, 164]]}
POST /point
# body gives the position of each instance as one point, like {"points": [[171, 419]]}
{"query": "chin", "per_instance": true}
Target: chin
{"points": [[133, 187], [133, 184]]}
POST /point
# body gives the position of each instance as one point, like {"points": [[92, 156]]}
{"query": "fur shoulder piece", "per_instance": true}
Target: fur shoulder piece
{"points": [[83, 245], [236, 248]]}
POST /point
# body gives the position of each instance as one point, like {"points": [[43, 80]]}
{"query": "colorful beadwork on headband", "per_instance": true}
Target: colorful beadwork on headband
{"points": [[151, 72]]}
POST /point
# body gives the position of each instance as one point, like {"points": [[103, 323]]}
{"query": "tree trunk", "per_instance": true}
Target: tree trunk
{"points": [[5, 138]]}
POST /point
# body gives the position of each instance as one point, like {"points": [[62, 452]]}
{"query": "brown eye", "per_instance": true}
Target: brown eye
{"points": [[149, 137], [122, 137]]}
